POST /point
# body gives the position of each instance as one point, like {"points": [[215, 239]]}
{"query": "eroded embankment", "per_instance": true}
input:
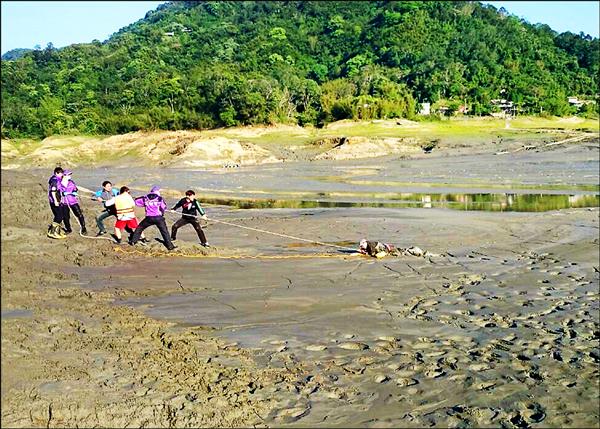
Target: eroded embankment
{"points": [[343, 140]]}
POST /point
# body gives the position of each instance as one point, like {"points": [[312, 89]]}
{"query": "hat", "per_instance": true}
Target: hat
{"points": [[155, 189], [67, 172]]}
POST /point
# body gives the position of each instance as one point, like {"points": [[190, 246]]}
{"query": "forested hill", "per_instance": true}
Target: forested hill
{"points": [[208, 64]]}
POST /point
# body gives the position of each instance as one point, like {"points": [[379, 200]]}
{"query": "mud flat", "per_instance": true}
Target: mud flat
{"points": [[70, 357], [500, 328]]}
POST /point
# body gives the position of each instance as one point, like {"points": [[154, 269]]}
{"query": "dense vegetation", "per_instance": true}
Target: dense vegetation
{"points": [[207, 64]]}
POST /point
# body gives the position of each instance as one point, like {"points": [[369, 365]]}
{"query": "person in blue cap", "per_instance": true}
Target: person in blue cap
{"points": [[103, 195]]}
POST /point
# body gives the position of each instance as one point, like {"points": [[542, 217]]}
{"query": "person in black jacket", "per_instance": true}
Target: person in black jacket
{"points": [[59, 210], [190, 211]]}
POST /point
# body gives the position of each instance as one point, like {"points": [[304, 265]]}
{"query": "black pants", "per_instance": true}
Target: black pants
{"points": [[184, 221], [60, 214], [78, 214], [57, 213], [160, 223]]}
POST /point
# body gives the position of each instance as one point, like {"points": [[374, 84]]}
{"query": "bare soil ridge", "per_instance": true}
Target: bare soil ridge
{"points": [[342, 140]]}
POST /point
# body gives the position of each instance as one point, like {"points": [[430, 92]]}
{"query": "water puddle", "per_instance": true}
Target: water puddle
{"points": [[15, 314], [473, 184], [484, 202]]}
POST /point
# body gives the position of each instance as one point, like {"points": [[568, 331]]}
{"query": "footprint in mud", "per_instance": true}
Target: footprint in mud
{"points": [[568, 383], [382, 350], [275, 342], [535, 376], [434, 372], [367, 360], [388, 338], [388, 345], [480, 367], [354, 368], [484, 416], [484, 385], [290, 415], [353, 345], [534, 413], [381, 378], [394, 366], [316, 347], [404, 381], [436, 354]]}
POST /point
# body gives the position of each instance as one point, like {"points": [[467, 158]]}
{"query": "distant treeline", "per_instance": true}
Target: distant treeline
{"points": [[196, 65]]}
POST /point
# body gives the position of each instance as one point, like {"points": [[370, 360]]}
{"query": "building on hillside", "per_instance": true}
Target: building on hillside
{"points": [[507, 108], [425, 109], [443, 110], [575, 101]]}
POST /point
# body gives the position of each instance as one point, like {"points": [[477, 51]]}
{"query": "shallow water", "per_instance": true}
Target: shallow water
{"points": [[520, 182], [486, 202]]}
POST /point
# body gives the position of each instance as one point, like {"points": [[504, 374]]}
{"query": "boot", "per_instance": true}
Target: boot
{"points": [[54, 231], [83, 228], [50, 233], [61, 232]]}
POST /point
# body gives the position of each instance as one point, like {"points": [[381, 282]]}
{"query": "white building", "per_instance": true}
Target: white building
{"points": [[425, 109]]}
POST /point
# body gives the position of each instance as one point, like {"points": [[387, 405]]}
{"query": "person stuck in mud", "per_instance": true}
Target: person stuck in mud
{"points": [[124, 206], [376, 249], [68, 190], [155, 206], [189, 214], [106, 193], [58, 208]]}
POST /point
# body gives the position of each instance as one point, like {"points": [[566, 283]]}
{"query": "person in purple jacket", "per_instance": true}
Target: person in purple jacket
{"points": [[68, 190], [155, 206], [58, 209]]}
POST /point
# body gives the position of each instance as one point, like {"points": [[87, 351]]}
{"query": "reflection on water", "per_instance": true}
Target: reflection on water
{"points": [[485, 202]]}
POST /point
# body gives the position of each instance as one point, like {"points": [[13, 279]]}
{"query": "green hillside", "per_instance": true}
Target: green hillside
{"points": [[195, 65], [15, 54]]}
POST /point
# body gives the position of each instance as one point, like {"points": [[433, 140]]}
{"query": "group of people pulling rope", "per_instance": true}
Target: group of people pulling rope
{"points": [[63, 197]]}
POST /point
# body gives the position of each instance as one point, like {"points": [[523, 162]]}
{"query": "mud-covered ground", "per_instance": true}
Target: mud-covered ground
{"points": [[70, 358], [499, 328]]}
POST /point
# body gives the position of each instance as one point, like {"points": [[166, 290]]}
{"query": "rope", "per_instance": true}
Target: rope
{"points": [[82, 189], [320, 243], [403, 251], [95, 238], [273, 233], [201, 255]]}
